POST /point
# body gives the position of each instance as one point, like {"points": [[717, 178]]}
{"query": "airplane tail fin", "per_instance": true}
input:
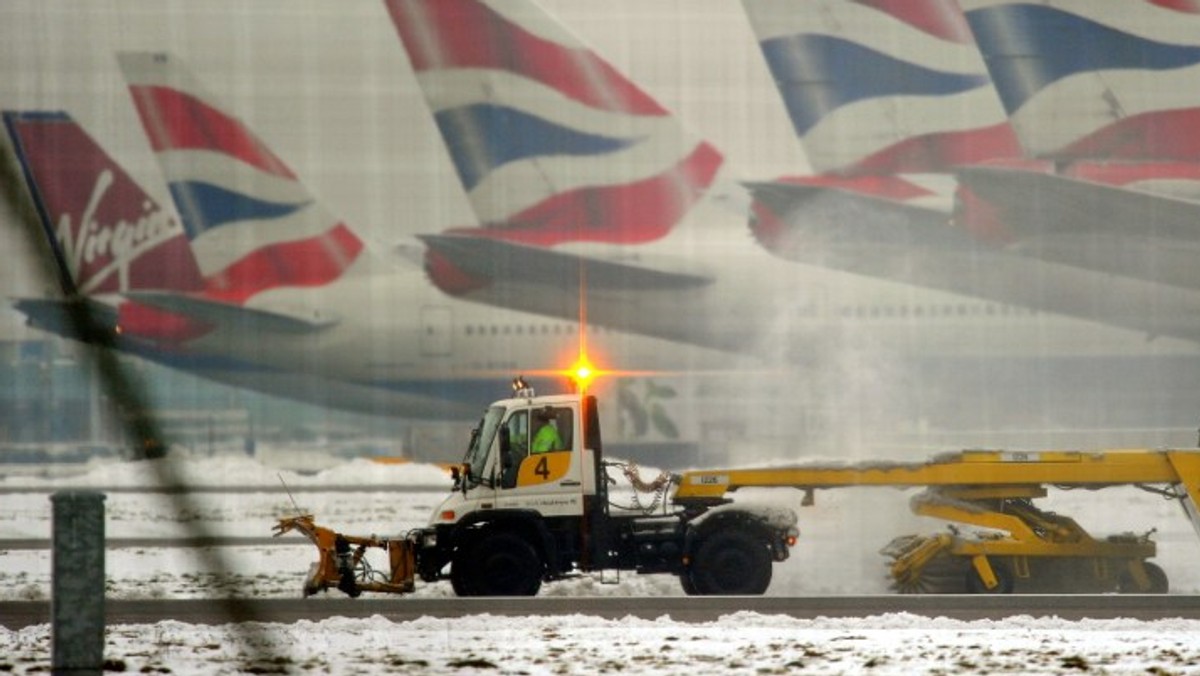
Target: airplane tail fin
{"points": [[882, 86], [107, 234], [549, 141], [1084, 81], [252, 223]]}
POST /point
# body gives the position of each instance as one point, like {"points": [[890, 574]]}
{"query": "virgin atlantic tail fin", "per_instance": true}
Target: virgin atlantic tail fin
{"points": [[107, 234]]}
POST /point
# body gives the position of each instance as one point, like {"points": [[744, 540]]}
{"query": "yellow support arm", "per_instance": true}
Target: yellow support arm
{"points": [[1179, 468], [1187, 488]]}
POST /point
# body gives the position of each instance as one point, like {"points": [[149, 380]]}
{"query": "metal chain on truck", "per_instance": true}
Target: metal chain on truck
{"points": [[658, 487]]}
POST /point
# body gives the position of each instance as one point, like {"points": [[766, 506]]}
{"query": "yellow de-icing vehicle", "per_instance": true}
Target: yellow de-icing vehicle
{"points": [[1024, 549], [520, 515]]}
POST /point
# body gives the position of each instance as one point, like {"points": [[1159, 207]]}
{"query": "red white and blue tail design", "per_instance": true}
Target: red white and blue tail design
{"points": [[108, 234], [253, 225], [1110, 81], [550, 142], [882, 87]]}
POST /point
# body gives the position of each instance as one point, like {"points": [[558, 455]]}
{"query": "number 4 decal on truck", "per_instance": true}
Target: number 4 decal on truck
{"points": [[543, 468]]}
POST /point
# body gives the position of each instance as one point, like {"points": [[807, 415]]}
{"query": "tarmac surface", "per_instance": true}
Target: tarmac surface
{"points": [[15, 615]]}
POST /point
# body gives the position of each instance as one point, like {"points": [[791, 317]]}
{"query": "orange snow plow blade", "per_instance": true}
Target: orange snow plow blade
{"points": [[343, 564]]}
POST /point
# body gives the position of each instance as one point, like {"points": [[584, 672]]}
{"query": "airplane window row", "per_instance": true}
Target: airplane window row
{"points": [[510, 366], [946, 310], [846, 311], [522, 330]]}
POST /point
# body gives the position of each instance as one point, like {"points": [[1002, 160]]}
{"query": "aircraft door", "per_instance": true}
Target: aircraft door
{"points": [[436, 331]]}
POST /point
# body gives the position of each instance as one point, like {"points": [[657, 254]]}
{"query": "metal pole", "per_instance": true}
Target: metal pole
{"points": [[77, 583]]}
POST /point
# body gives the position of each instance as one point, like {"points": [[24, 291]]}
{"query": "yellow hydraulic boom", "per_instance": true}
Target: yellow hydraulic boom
{"points": [[995, 490]]}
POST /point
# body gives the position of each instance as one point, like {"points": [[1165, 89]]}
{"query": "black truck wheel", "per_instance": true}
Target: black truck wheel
{"points": [[730, 562], [502, 564], [462, 573]]}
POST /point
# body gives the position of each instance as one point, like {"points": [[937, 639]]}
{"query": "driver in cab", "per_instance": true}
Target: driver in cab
{"points": [[546, 438]]}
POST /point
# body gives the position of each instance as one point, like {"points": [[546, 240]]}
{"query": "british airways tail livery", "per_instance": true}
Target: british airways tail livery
{"points": [[108, 234], [551, 143], [918, 101], [1081, 80], [253, 225]]}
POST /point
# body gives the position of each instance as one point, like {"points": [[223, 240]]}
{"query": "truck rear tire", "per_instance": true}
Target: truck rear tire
{"points": [[730, 562], [502, 564]]}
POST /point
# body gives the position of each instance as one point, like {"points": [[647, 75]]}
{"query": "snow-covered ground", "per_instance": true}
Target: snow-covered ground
{"points": [[837, 554], [742, 643]]}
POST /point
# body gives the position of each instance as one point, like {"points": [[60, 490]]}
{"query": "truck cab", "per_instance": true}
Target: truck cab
{"points": [[525, 454]]}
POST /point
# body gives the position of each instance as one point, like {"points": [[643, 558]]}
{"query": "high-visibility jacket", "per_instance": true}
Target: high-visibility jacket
{"points": [[546, 440]]}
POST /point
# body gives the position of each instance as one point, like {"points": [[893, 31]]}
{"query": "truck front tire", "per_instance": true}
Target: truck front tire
{"points": [[500, 564], [729, 562], [461, 574]]}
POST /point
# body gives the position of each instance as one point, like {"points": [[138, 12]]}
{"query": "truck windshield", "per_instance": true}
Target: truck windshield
{"points": [[481, 442]]}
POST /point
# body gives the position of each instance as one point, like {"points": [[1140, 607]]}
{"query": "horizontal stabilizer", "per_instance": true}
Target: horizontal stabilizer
{"points": [[236, 316], [783, 196], [1103, 228], [70, 317], [495, 260], [1040, 202], [809, 223]]}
